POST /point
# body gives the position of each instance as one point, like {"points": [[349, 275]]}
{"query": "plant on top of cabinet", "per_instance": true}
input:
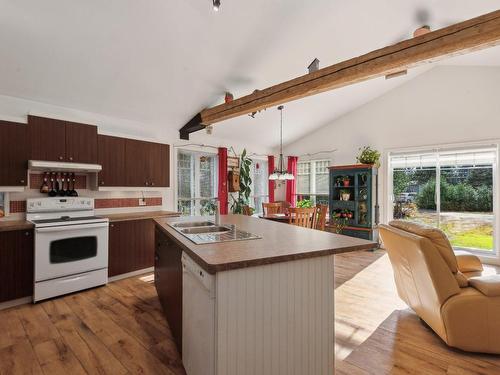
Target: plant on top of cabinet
{"points": [[368, 155]]}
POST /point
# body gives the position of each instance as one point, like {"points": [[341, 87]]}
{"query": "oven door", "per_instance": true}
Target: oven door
{"points": [[70, 249]]}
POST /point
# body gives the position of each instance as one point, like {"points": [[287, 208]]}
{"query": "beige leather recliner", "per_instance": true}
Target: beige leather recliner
{"points": [[445, 289]]}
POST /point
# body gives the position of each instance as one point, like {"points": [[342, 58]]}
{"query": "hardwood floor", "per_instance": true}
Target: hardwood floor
{"points": [[120, 329]]}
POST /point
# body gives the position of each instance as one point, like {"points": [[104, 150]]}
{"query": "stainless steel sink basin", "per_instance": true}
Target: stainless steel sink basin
{"points": [[203, 230], [193, 224]]}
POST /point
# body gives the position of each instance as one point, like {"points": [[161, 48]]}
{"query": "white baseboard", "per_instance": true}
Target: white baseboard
{"points": [[15, 302], [130, 274]]}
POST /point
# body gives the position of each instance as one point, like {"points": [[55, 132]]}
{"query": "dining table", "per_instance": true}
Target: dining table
{"points": [[284, 218]]}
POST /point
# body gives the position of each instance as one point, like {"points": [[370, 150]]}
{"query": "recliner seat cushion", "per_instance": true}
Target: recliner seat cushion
{"points": [[437, 237]]}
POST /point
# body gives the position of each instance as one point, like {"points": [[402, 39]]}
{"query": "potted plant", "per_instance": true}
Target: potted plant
{"points": [[345, 195], [346, 181], [368, 155]]}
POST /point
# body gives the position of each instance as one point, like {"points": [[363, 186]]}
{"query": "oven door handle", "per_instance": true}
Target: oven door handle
{"points": [[63, 228]]}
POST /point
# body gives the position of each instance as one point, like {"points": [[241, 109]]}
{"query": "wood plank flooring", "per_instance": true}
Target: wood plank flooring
{"points": [[120, 329]]}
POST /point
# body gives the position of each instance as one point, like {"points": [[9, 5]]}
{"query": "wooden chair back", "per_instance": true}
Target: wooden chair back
{"points": [[247, 210], [322, 210], [303, 217], [272, 208], [284, 206]]}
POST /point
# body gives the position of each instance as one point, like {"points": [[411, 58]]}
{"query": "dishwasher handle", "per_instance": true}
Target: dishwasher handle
{"points": [[190, 267]]}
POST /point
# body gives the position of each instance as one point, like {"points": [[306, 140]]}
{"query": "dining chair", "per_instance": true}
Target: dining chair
{"points": [[284, 206], [322, 210], [272, 208], [303, 217]]}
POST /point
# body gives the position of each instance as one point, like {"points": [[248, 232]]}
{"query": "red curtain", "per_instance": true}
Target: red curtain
{"points": [[270, 169], [222, 190], [291, 185]]}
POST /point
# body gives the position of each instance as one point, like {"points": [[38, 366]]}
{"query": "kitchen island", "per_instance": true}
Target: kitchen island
{"points": [[260, 306]]}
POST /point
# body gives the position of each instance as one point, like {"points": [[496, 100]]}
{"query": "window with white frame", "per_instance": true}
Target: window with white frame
{"points": [[196, 182], [260, 184], [312, 181]]}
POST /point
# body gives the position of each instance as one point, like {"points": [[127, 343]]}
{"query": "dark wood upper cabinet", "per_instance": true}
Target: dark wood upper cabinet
{"points": [[81, 143], [111, 156], [16, 264], [148, 163], [47, 138], [13, 154], [58, 140]]}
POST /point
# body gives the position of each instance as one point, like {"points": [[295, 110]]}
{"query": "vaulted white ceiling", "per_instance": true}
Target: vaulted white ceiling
{"points": [[160, 62]]}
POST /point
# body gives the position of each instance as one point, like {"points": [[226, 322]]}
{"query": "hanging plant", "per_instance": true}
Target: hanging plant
{"points": [[369, 156], [245, 185]]}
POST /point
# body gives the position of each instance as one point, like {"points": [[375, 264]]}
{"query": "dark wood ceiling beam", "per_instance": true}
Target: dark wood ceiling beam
{"points": [[461, 38]]}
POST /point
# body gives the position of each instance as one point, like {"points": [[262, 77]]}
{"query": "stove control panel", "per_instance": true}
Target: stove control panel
{"points": [[57, 204]]}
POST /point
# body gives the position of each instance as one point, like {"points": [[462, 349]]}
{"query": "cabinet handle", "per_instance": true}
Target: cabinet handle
{"points": [[71, 158], [146, 183], [26, 234], [102, 182], [112, 225], [22, 181], [152, 184], [61, 158]]}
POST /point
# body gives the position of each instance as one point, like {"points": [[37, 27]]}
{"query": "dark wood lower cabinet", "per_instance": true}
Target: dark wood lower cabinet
{"points": [[16, 264], [168, 282], [131, 246]]}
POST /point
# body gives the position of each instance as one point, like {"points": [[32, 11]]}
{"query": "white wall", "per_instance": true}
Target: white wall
{"points": [[448, 104], [17, 110]]}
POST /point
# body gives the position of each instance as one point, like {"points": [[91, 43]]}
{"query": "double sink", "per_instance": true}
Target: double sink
{"points": [[203, 232]]}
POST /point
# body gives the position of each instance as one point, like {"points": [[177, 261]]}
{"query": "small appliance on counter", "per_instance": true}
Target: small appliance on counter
{"points": [[71, 245]]}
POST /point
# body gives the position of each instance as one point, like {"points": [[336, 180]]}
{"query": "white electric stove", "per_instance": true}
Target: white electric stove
{"points": [[71, 245]]}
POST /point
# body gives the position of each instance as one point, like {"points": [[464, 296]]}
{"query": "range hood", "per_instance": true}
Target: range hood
{"points": [[57, 166]]}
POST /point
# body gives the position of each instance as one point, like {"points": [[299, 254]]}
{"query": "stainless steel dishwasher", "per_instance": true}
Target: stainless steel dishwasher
{"points": [[198, 319]]}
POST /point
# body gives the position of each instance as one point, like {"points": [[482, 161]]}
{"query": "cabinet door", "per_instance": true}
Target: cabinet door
{"points": [[16, 264], [81, 143], [131, 246], [159, 165], [136, 161], [13, 154], [111, 155], [47, 138], [168, 282]]}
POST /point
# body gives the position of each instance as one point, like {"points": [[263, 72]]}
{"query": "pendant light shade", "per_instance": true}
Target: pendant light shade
{"points": [[281, 173]]}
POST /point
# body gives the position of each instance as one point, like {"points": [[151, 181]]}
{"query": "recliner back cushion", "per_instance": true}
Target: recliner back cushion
{"points": [[437, 237]]}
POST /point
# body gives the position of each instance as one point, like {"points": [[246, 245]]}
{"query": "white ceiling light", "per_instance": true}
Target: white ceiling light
{"points": [[216, 4]]}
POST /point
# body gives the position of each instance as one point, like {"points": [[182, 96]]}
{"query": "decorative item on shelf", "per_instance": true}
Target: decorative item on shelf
{"points": [[347, 214], [368, 155], [233, 178], [338, 224], [280, 173], [346, 181], [345, 195], [228, 98], [304, 203], [363, 194], [245, 185]]}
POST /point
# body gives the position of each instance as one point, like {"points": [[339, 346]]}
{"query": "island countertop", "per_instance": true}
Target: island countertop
{"points": [[279, 243]]}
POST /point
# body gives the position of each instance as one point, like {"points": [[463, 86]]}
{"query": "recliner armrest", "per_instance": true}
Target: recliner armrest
{"points": [[488, 285], [468, 262]]}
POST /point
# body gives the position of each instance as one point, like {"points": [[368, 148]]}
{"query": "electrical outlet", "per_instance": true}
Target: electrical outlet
{"points": [[142, 201]]}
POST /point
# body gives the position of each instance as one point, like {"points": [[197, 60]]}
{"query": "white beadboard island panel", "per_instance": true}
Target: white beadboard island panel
{"points": [[276, 319]]}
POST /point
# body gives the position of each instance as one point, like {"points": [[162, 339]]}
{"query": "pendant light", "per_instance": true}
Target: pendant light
{"points": [[280, 173]]}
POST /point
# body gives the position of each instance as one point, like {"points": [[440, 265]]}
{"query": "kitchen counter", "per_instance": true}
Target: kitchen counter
{"points": [[7, 225], [140, 215], [279, 243]]}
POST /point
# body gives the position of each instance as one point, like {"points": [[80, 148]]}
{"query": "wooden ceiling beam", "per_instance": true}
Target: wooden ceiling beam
{"points": [[461, 38]]}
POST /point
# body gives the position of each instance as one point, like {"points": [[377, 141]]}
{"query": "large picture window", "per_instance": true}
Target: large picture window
{"points": [[312, 181], [196, 183], [450, 189]]}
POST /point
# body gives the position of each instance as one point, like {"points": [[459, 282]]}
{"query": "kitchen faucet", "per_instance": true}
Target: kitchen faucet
{"points": [[217, 212]]}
